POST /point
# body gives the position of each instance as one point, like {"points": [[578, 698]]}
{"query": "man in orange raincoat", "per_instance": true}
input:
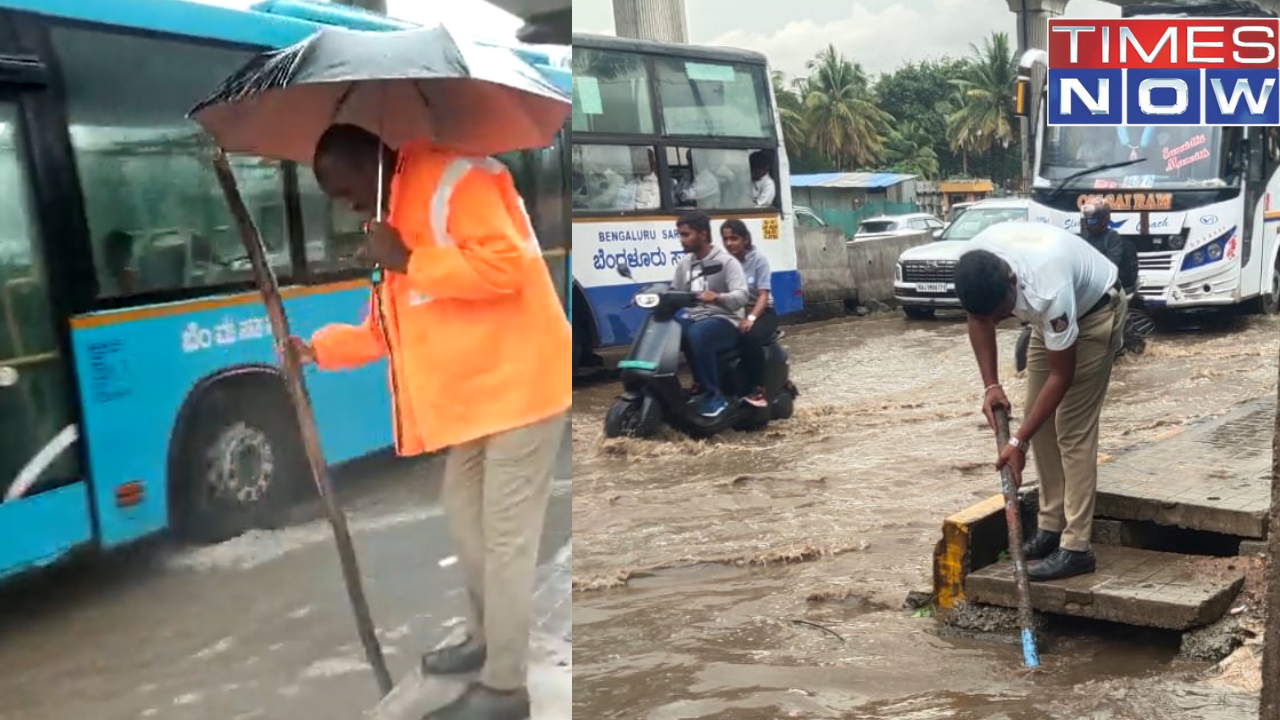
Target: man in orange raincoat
{"points": [[479, 352]]}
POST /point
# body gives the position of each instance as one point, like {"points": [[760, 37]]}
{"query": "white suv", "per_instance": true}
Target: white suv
{"points": [[922, 282]]}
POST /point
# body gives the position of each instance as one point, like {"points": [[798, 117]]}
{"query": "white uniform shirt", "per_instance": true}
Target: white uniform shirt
{"points": [[763, 191], [1060, 275]]}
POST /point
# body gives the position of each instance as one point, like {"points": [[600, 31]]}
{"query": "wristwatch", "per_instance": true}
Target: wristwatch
{"points": [[1017, 444], [751, 318]]}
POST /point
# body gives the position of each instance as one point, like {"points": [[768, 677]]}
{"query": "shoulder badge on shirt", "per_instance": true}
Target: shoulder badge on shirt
{"points": [[1059, 324]]}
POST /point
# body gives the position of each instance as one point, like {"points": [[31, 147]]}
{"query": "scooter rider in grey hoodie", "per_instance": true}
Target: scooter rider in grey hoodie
{"points": [[710, 327]]}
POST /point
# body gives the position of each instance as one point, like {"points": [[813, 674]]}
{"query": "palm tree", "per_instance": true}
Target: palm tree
{"points": [[984, 116], [790, 112], [910, 150], [960, 130], [842, 118]]}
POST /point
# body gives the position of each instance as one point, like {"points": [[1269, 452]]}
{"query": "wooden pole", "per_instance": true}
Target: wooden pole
{"points": [[1013, 517], [1269, 702], [270, 289]]}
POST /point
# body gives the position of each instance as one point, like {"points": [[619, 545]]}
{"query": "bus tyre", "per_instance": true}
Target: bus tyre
{"points": [[242, 465], [1270, 303]]}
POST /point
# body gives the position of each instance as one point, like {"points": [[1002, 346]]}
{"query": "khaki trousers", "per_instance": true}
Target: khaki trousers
{"points": [[495, 496], [1065, 448]]}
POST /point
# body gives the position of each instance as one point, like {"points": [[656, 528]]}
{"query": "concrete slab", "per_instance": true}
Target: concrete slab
{"points": [[1214, 477], [1134, 587], [550, 658]]}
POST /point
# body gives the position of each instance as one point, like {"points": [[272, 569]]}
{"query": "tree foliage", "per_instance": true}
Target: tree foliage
{"points": [[934, 118]]}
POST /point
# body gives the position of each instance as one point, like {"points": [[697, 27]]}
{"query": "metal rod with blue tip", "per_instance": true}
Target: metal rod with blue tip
{"points": [[1013, 517]]}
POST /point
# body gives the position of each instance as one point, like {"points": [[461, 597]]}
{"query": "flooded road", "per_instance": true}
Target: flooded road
{"points": [[762, 575], [259, 627]]}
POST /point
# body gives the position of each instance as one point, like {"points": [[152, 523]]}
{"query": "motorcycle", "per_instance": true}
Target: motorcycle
{"points": [[652, 393], [1138, 326]]}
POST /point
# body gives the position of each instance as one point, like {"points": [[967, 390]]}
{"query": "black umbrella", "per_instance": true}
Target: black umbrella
{"points": [[428, 84]]}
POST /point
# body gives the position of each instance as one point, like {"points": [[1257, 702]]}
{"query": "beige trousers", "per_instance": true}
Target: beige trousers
{"points": [[495, 496], [1065, 448]]}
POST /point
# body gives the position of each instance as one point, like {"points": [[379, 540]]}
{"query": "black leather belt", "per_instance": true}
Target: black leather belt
{"points": [[1105, 301]]}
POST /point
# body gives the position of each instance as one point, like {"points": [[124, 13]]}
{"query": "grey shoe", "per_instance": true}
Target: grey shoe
{"points": [[484, 703], [466, 657]]}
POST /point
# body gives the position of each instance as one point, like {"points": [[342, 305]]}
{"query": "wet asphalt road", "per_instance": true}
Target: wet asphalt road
{"points": [[258, 627], [758, 576]]}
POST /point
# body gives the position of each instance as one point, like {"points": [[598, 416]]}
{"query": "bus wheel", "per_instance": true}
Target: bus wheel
{"points": [[1270, 303], [242, 464]]}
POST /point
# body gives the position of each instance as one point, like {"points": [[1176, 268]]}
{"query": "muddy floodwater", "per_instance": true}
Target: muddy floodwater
{"points": [[762, 575]]}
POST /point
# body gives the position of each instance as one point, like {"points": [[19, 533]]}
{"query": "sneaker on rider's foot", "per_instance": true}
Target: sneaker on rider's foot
{"points": [[712, 406], [757, 399]]}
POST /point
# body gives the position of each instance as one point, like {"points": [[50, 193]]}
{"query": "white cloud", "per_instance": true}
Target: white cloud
{"points": [[879, 34]]}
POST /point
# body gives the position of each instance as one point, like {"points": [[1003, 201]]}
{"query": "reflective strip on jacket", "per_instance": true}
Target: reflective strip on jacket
{"points": [[479, 341]]}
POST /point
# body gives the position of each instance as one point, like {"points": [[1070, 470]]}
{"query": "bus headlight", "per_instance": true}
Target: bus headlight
{"points": [[1210, 252], [648, 301]]}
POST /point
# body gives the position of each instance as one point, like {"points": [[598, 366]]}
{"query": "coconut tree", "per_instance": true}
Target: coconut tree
{"points": [[983, 117], [790, 112], [909, 149], [842, 118]]}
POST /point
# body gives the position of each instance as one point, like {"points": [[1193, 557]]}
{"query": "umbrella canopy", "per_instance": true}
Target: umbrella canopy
{"points": [[429, 84]]}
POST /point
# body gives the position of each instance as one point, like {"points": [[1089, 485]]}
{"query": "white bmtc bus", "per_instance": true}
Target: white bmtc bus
{"points": [[1201, 204], [659, 130]]}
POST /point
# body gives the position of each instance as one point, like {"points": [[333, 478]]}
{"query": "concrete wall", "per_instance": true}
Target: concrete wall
{"points": [[825, 276], [872, 263], [835, 274]]}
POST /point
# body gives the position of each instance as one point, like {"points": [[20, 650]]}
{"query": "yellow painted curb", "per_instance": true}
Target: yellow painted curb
{"points": [[951, 555]]}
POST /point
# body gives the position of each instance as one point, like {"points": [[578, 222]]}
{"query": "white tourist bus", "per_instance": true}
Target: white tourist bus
{"points": [[1201, 204]]}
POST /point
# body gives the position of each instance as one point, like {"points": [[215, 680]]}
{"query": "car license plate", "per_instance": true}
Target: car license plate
{"points": [[932, 287]]}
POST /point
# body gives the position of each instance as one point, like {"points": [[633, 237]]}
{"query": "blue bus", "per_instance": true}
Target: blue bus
{"points": [[139, 390]]}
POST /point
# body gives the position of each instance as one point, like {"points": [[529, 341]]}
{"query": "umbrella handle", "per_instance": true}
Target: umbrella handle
{"points": [[381, 182]]}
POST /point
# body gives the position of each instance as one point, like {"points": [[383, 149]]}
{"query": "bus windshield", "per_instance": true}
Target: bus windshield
{"points": [[1174, 157]]}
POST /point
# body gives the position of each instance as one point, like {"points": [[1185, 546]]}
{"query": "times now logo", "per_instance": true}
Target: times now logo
{"points": [[1164, 72]]}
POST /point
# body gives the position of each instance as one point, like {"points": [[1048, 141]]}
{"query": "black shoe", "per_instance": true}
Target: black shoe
{"points": [[484, 703], [1040, 544], [465, 657], [1063, 563]]}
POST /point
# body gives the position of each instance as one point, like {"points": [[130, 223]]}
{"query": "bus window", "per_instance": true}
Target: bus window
{"points": [[713, 99], [35, 399], [550, 211], [615, 178], [710, 178], [611, 93], [156, 215]]}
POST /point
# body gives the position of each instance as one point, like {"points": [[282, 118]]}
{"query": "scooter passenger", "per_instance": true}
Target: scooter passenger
{"points": [[712, 326], [761, 321]]}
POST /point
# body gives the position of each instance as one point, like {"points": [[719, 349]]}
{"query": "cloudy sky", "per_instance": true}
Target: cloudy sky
{"points": [[880, 34]]}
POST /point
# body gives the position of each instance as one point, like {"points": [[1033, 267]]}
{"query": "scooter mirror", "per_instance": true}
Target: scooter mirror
{"points": [[624, 270]]}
